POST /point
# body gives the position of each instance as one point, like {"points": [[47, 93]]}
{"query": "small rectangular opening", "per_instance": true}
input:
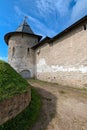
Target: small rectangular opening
{"points": [[84, 27], [28, 51], [13, 51]]}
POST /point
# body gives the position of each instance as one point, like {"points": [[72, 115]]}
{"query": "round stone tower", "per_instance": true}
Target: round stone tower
{"points": [[21, 56]]}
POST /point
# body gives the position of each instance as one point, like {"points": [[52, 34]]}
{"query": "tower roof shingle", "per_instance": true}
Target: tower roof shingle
{"points": [[24, 27]]}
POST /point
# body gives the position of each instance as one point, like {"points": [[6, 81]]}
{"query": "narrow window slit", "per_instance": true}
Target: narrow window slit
{"points": [[28, 51], [84, 27], [13, 51]]}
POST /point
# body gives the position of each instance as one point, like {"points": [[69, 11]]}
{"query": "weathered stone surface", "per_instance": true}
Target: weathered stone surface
{"points": [[9, 108], [21, 56], [65, 60]]}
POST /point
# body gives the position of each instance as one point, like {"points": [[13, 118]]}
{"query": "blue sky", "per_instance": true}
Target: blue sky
{"points": [[46, 17]]}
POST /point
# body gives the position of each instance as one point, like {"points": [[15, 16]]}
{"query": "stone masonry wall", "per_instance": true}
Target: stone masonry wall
{"points": [[11, 107], [65, 60], [21, 56]]}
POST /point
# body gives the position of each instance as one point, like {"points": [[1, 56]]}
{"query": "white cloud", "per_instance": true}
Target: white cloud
{"points": [[4, 58], [41, 28], [79, 9], [49, 16], [18, 11], [46, 7], [63, 8]]}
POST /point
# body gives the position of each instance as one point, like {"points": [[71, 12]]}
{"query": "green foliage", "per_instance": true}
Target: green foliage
{"points": [[27, 118], [11, 82]]}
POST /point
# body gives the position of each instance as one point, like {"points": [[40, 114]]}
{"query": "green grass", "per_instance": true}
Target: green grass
{"points": [[77, 88], [39, 81], [11, 83], [27, 118]]}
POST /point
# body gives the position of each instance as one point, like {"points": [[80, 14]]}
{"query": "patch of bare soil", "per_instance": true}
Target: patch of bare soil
{"points": [[63, 108]]}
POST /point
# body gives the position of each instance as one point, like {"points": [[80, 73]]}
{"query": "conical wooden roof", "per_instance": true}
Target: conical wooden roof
{"points": [[24, 27]]}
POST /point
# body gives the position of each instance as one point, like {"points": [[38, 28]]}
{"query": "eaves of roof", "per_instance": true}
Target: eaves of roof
{"points": [[70, 28], [42, 42], [8, 35]]}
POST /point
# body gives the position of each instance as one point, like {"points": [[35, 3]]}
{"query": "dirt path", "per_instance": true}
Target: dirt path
{"points": [[62, 108]]}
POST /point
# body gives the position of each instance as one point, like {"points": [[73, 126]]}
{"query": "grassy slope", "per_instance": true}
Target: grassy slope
{"points": [[27, 118], [11, 82]]}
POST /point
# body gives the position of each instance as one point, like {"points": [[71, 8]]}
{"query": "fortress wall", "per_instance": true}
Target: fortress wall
{"points": [[21, 56], [65, 60]]}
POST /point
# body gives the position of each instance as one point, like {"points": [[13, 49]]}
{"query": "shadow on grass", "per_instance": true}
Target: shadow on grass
{"points": [[25, 119], [37, 115]]}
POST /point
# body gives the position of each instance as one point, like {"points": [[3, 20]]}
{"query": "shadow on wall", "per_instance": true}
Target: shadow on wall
{"points": [[48, 110]]}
